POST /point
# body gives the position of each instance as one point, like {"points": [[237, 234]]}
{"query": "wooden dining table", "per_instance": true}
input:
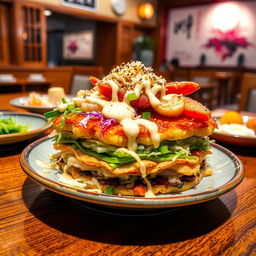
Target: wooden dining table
{"points": [[36, 221]]}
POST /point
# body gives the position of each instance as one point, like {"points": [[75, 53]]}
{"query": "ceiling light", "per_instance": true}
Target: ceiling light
{"points": [[47, 13], [146, 11]]}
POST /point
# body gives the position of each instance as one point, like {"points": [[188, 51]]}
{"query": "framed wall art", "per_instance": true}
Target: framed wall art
{"points": [[87, 5], [222, 33], [78, 45]]}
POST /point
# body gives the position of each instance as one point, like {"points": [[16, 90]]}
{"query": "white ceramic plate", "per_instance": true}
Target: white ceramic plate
{"points": [[37, 124], [20, 103], [236, 140], [228, 173]]}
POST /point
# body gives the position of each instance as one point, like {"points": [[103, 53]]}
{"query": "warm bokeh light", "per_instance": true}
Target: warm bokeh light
{"points": [[146, 11], [226, 16], [47, 13]]}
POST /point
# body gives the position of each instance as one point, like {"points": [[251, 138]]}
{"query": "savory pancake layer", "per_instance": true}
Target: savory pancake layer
{"points": [[172, 180], [86, 162], [175, 128]]}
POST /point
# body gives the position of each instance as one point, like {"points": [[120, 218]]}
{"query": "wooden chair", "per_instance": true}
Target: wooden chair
{"points": [[80, 77], [205, 94], [224, 79], [166, 74], [248, 83], [235, 87], [181, 74], [208, 85]]}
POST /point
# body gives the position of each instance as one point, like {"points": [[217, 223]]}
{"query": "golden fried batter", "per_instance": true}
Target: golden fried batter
{"points": [[182, 166], [169, 129]]}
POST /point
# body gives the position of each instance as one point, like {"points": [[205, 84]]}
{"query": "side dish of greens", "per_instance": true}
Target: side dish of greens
{"points": [[9, 125]]}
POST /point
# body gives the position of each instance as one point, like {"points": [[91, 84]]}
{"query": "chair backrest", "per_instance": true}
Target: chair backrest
{"points": [[202, 76], [251, 107], [201, 79], [80, 82], [80, 77], [166, 74], [180, 74], [248, 83]]}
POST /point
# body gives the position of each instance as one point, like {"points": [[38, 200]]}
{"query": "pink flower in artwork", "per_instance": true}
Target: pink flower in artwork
{"points": [[226, 43], [72, 46]]}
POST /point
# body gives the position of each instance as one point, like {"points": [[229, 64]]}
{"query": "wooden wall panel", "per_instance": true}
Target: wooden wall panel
{"points": [[125, 36], [29, 34], [106, 44], [4, 42]]}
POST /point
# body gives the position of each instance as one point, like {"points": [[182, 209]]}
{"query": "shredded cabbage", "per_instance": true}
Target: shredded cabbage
{"points": [[109, 153]]}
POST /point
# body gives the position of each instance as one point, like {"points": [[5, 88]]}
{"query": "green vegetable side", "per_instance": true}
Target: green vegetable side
{"points": [[8, 126]]}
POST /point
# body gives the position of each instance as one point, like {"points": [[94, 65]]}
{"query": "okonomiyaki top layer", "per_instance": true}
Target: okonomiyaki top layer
{"points": [[94, 126]]}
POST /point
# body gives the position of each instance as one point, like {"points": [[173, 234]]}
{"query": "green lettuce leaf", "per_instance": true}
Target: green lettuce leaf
{"points": [[116, 159]]}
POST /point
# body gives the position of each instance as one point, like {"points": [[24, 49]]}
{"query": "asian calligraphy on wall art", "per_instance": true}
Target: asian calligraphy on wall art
{"points": [[219, 34]]}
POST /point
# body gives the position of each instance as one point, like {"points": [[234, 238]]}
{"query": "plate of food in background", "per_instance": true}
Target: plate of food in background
{"points": [[16, 127], [38, 103], [236, 129]]}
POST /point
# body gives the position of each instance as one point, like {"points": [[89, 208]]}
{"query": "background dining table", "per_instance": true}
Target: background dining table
{"points": [[36, 221]]}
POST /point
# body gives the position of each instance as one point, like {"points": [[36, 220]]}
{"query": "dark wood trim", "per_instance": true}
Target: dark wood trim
{"points": [[6, 1], [92, 16], [160, 35], [17, 31], [163, 34], [79, 13], [5, 35]]}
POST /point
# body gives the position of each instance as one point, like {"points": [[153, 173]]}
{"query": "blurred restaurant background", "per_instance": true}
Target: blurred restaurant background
{"points": [[48, 43]]}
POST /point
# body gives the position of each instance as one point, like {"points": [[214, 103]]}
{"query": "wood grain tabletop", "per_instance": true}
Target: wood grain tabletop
{"points": [[36, 221]]}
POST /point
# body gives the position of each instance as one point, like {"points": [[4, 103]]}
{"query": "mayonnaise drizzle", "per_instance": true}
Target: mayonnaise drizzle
{"points": [[125, 115], [114, 86], [145, 83], [153, 130], [149, 192]]}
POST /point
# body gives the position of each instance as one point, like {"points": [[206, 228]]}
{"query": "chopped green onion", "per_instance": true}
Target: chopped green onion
{"points": [[77, 110], [50, 120], [63, 118], [71, 106], [114, 165], [65, 113], [64, 100], [146, 115], [74, 112], [58, 138], [163, 149], [132, 96], [74, 146], [110, 190], [53, 113]]}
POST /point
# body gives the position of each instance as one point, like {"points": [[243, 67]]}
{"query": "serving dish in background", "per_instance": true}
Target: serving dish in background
{"points": [[37, 124], [20, 103], [228, 173], [236, 140]]}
